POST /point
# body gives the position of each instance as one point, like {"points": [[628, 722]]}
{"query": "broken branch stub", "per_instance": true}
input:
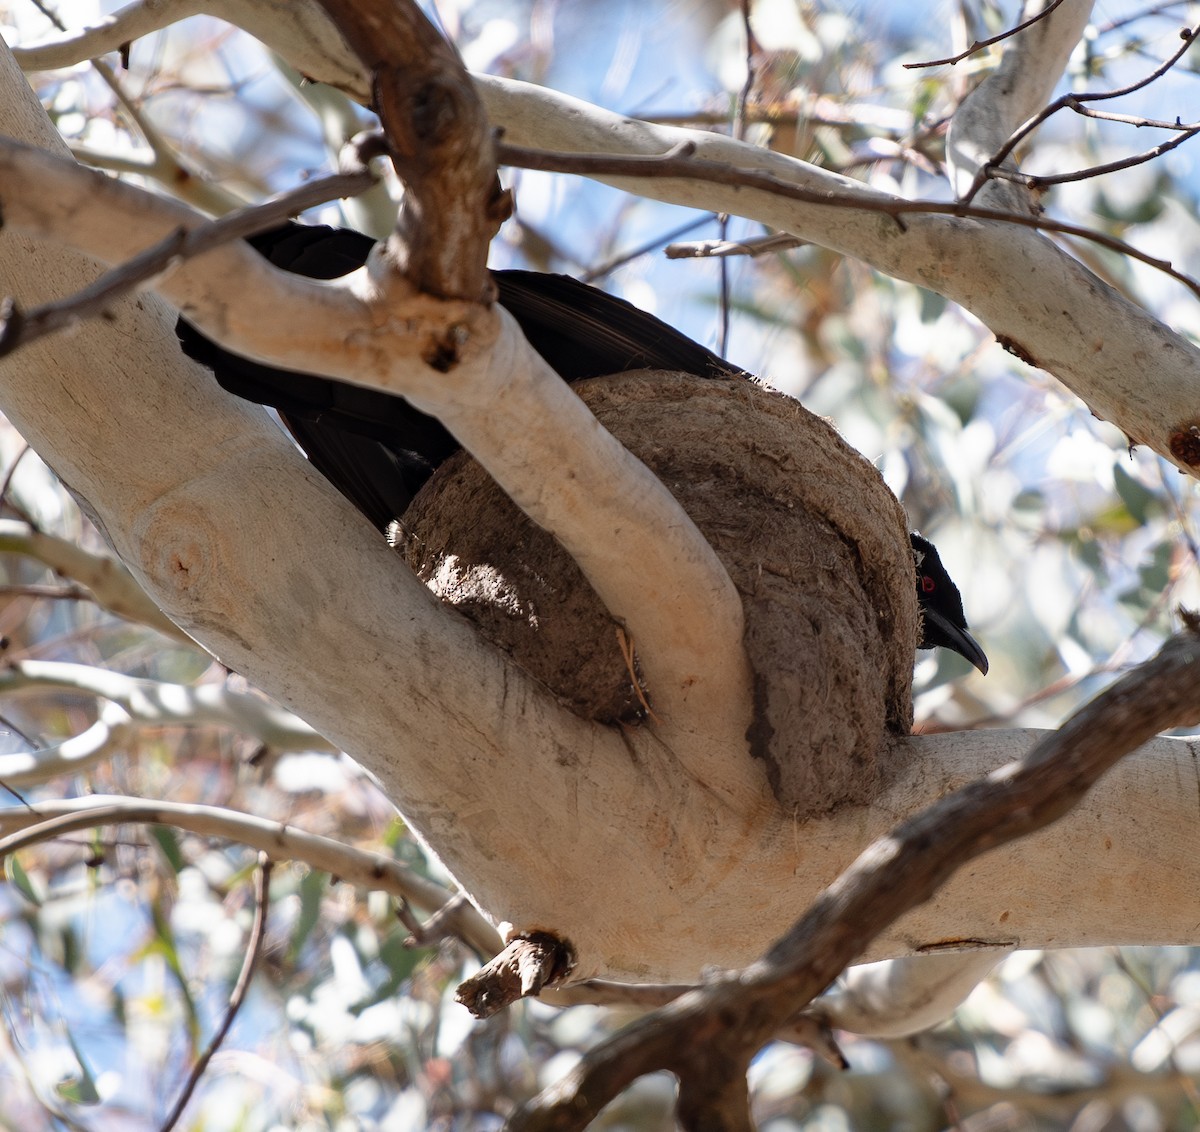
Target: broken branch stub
{"points": [[529, 963]]}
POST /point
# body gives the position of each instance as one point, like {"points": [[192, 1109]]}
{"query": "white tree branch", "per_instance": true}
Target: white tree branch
{"points": [[360, 867], [170, 705], [1017, 89], [898, 997], [504, 403], [1128, 367], [1039, 301], [225, 525], [66, 49], [110, 583], [108, 736], [547, 821], [308, 37]]}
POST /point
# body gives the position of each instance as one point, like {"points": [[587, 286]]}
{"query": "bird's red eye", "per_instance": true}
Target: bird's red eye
{"points": [[927, 584]]}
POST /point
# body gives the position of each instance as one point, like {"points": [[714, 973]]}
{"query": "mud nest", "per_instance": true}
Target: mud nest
{"points": [[813, 539]]}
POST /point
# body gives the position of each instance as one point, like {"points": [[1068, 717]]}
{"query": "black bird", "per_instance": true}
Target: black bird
{"points": [[942, 619], [377, 450]]}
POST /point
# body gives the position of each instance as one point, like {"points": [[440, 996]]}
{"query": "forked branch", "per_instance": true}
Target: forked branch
{"points": [[722, 1025]]}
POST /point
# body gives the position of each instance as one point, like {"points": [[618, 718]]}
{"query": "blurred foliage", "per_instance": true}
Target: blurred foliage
{"points": [[118, 950]]}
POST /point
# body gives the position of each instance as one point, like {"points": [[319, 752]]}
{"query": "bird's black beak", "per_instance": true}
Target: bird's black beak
{"points": [[951, 636]]}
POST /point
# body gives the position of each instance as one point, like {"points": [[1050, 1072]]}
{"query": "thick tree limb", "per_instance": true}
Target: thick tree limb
{"points": [[228, 528], [1040, 303], [1025, 80], [716, 1029], [501, 400], [178, 245], [223, 523]]}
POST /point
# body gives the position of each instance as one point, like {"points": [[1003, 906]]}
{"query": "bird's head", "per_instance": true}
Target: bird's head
{"points": [[942, 620]]}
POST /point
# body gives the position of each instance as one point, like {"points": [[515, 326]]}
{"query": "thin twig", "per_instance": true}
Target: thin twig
{"points": [[93, 301], [73, 592], [6, 486], [680, 162], [752, 247], [1136, 120], [110, 584], [980, 44], [668, 238], [1074, 102], [1038, 181], [373, 871], [739, 133], [1134, 17], [167, 166], [262, 892]]}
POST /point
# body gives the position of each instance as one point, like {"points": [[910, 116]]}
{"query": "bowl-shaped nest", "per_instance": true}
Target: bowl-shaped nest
{"points": [[813, 539]]}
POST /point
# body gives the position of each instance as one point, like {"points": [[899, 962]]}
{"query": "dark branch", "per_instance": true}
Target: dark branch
{"points": [[980, 44], [528, 964], [680, 162], [440, 142], [725, 1022], [258, 932], [19, 328], [1037, 181]]}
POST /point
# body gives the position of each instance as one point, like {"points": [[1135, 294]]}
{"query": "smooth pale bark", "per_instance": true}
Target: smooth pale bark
{"points": [[1123, 363], [313, 41], [1012, 94], [254, 555], [501, 400], [898, 997], [549, 822]]}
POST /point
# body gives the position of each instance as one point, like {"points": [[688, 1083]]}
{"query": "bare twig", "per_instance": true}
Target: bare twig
{"points": [[369, 870], [980, 44], [1135, 17], [6, 484], [47, 593], [708, 1036], [166, 166], [1039, 181], [109, 583], [625, 257], [164, 704], [258, 932], [94, 301], [445, 923], [1074, 102], [679, 162], [756, 246], [739, 134]]}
